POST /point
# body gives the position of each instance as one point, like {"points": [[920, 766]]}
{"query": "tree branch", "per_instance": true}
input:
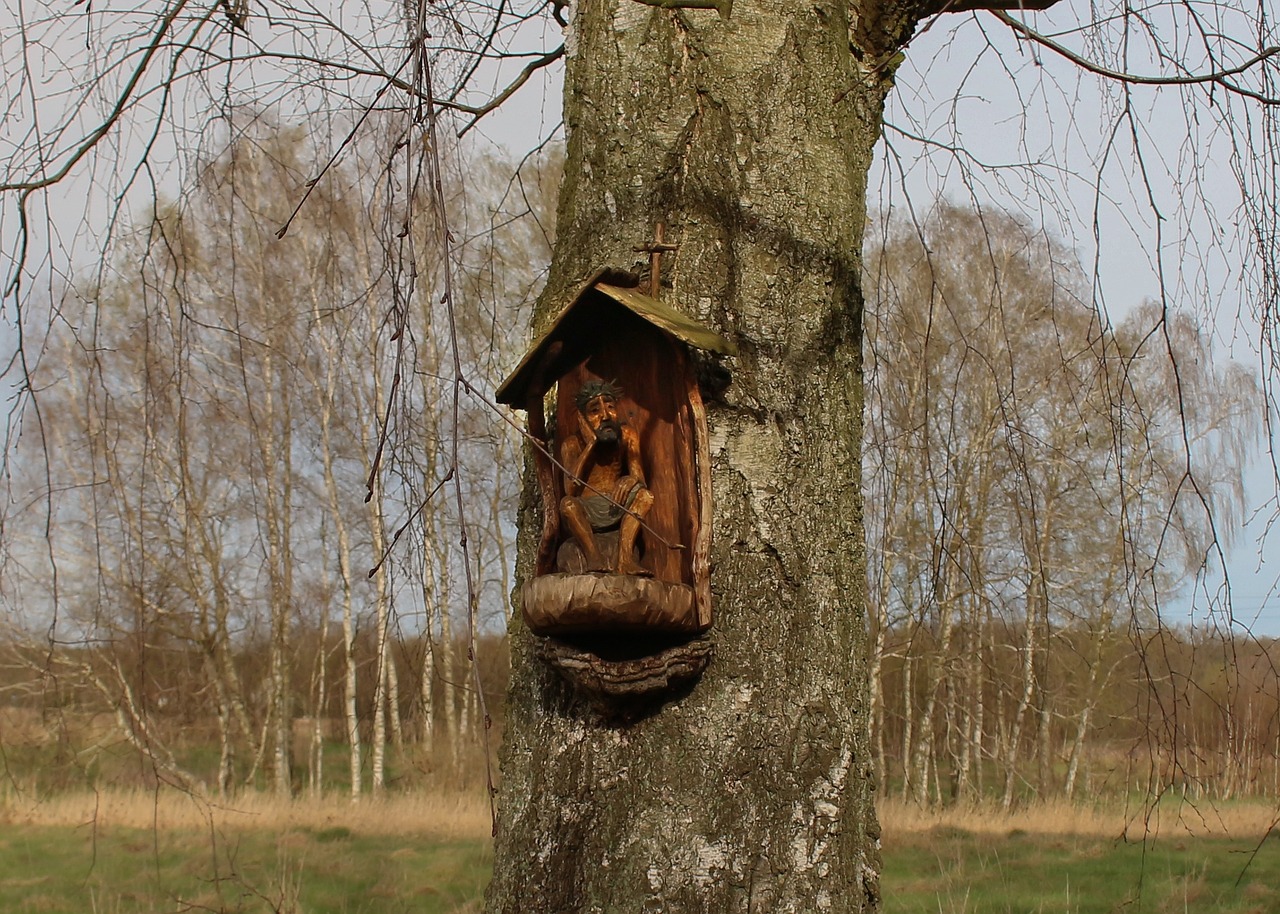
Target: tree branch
{"points": [[969, 6], [125, 97], [1219, 77], [530, 68]]}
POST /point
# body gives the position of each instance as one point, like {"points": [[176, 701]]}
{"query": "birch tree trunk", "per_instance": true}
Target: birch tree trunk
{"points": [[393, 697], [876, 696], [448, 671], [271, 428], [379, 739], [1014, 741], [349, 682], [751, 137], [316, 765], [431, 649], [937, 675], [908, 718]]}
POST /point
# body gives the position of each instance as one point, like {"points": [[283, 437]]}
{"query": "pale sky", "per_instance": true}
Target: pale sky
{"points": [[1013, 106]]}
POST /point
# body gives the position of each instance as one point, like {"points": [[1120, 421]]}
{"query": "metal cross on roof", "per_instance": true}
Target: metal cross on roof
{"points": [[655, 250]]}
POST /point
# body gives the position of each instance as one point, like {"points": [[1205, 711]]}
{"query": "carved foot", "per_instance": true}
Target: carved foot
{"points": [[635, 569]]}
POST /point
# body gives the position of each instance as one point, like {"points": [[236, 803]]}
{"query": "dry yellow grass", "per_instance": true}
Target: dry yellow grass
{"points": [[438, 815], [465, 815], [1174, 816]]}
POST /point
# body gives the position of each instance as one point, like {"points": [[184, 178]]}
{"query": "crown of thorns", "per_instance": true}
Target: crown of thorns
{"points": [[593, 389]]}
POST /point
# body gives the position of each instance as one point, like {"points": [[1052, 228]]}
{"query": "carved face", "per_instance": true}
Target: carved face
{"points": [[601, 414]]}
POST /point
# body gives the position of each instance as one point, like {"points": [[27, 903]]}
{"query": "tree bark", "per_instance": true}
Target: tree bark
{"points": [[751, 137]]}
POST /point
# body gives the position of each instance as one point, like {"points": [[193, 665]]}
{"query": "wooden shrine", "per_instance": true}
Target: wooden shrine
{"points": [[623, 467]]}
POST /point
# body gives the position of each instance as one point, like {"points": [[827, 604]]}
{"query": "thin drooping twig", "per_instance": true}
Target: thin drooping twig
{"points": [[395, 537], [125, 97], [122, 102], [428, 114], [346, 141], [382, 440], [532, 67]]}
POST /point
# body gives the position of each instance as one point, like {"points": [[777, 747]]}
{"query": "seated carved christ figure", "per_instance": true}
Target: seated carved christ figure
{"points": [[604, 485]]}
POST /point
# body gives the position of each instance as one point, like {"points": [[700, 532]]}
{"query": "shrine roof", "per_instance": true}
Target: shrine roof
{"points": [[566, 341]]}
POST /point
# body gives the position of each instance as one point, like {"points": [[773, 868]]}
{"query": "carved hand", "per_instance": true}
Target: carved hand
{"points": [[587, 433]]}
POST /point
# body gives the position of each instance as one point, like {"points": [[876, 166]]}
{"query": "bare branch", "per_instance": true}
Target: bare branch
{"points": [[1219, 77], [532, 67]]}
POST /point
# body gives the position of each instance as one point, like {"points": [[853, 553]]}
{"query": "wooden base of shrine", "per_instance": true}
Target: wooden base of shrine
{"points": [[597, 604], [620, 640]]}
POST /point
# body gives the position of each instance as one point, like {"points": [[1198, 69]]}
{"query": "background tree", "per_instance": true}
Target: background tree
{"points": [[216, 430], [1029, 498]]}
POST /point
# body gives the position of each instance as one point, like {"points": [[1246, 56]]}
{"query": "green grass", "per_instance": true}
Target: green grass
{"points": [[49, 870], [950, 871], [117, 870]]}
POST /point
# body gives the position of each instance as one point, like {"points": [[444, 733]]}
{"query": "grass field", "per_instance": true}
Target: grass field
{"points": [[130, 853], [52, 869], [1076, 860], [133, 852]]}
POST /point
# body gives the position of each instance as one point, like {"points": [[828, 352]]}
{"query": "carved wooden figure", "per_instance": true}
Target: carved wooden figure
{"points": [[604, 485], [624, 472]]}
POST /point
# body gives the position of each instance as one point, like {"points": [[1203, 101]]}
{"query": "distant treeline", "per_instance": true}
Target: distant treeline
{"points": [[1133, 709], [1146, 711], [61, 725], [1039, 480], [265, 538]]}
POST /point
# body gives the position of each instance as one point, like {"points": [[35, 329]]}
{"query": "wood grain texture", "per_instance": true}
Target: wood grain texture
{"points": [[594, 603]]}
